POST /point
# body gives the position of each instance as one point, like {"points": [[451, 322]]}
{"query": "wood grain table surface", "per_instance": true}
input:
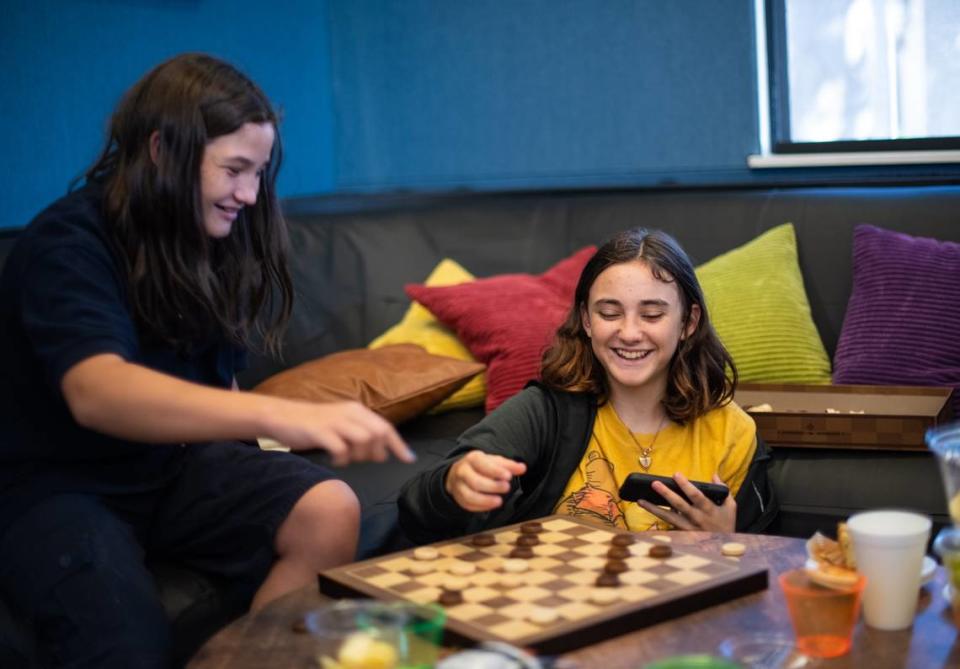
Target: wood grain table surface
{"points": [[270, 638]]}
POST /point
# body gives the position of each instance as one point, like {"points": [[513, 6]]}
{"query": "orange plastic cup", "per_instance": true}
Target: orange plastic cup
{"points": [[823, 618]]}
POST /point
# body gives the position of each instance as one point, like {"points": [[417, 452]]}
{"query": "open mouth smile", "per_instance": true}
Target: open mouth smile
{"points": [[631, 355], [232, 212]]}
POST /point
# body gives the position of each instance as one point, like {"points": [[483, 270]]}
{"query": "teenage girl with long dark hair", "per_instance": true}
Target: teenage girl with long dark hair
{"points": [[126, 309]]}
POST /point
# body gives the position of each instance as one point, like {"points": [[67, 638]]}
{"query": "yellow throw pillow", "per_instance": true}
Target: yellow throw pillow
{"points": [[758, 305], [419, 326]]}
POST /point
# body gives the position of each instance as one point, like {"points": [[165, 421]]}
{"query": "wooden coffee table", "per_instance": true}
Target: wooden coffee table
{"points": [[274, 636]]}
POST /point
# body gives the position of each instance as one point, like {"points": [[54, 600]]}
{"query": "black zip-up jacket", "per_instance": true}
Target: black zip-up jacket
{"points": [[549, 430]]}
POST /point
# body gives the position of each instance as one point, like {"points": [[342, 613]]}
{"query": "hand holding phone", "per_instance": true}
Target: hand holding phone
{"points": [[640, 486]]}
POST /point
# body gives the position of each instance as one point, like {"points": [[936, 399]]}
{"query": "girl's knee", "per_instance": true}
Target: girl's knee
{"points": [[334, 498], [330, 506], [323, 526]]}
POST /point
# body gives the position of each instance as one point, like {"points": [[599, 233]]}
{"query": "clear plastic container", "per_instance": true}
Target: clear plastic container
{"points": [[944, 441], [369, 634], [764, 651]]}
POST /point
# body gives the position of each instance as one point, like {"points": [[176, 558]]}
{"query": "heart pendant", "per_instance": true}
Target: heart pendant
{"points": [[645, 462]]}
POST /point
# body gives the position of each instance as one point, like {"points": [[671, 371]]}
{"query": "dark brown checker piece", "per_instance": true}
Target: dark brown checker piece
{"points": [[623, 539], [522, 552], [532, 527], [660, 551], [608, 580], [615, 567], [528, 540], [618, 552], [450, 598], [560, 575], [483, 539]]}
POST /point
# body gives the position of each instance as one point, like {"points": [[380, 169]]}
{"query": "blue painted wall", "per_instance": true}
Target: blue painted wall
{"points": [[388, 95], [65, 63], [520, 93]]}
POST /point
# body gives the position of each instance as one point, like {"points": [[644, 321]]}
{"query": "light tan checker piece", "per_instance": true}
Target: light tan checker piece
{"points": [[561, 576]]}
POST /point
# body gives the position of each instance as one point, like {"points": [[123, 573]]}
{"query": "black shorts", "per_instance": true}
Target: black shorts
{"points": [[222, 512], [74, 561], [217, 512]]}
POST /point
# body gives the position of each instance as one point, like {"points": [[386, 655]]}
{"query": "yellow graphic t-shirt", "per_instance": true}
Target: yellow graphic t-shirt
{"points": [[722, 441]]}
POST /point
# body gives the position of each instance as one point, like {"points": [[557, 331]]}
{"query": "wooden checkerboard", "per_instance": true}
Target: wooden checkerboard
{"points": [[560, 577]]}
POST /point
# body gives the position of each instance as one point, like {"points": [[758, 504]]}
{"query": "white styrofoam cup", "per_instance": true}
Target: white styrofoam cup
{"points": [[888, 546]]}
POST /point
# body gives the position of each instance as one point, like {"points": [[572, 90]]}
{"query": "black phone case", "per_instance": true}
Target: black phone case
{"points": [[638, 486]]}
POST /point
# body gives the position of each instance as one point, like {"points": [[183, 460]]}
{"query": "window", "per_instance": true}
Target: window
{"points": [[863, 75]]}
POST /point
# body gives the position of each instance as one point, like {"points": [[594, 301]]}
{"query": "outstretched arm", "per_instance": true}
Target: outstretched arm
{"points": [[477, 484], [125, 400]]}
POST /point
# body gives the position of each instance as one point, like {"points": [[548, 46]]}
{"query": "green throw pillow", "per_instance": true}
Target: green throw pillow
{"points": [[759, 308]]}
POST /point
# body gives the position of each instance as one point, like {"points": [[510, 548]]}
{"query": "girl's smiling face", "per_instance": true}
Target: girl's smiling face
{"points": [[230, 174], [635, 322]]}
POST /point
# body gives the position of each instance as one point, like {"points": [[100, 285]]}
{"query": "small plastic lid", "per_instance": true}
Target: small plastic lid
{"points": [[947, 542], [944, 440]]}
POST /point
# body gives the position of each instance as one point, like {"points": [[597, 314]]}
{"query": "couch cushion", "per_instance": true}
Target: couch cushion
{"points": [[819, 487], [507, 321], [759, 308], [419, 326], [398, 381], [903, 316]]}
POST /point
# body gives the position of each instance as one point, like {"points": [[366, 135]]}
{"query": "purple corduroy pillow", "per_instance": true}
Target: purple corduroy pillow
{"points": [[902, 325]]}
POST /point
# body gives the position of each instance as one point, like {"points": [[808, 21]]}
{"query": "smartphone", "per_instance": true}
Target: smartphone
{"points": [[638, 486]]}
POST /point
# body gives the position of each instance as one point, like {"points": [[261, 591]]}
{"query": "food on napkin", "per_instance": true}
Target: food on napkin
{"points": [[833, 564]]}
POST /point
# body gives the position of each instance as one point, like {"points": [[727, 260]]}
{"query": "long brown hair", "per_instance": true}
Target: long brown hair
{"points": [[702, 375], [183, 286]]}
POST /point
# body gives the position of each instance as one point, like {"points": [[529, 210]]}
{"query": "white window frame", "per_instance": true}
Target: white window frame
{"points": [[828, 154]]}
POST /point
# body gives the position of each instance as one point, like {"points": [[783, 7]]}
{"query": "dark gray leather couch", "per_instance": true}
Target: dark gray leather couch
{"points": [[352, 257]]}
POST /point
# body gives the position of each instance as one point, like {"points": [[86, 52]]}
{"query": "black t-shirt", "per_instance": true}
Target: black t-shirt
{"points": [[62, 300]]}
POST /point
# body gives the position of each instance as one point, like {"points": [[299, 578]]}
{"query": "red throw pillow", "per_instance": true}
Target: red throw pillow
{"points": [[507, 321]]}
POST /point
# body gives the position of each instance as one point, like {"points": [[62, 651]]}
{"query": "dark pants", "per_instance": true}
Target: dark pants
{"points": [[74, 562]]}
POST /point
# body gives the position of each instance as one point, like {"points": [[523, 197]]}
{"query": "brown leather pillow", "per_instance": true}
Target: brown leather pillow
{"points": [[398, 382]]}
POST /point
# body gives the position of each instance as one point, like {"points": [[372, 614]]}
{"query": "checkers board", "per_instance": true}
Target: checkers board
{"points": [[560, 577]]}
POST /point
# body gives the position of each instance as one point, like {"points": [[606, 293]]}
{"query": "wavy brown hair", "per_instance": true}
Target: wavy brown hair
{"points": [[185, 287], [702, 375]]}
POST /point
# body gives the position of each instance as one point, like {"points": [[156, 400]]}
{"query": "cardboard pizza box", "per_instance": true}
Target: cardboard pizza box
{"points": [[868, 417]]}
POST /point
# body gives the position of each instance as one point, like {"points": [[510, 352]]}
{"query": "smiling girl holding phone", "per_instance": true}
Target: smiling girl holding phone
{"points": [[636, 380]]}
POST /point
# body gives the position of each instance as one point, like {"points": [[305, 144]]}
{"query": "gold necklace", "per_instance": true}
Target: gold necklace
{"points": [[645, 458]]}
